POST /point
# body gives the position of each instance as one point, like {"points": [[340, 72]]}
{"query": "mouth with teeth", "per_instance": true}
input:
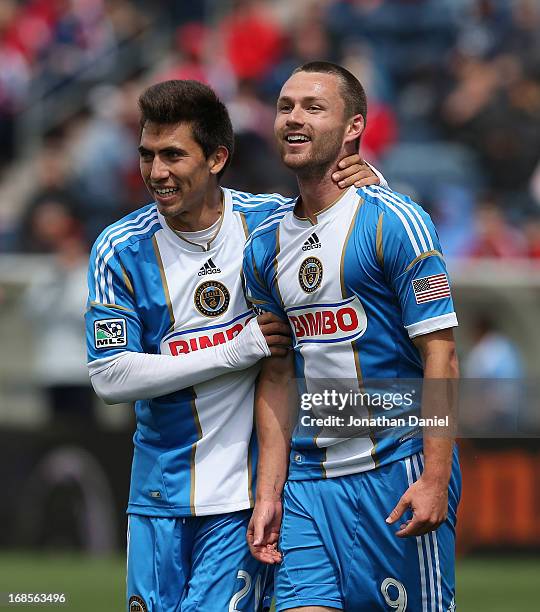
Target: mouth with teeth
{"points": [[297, 139], [164, 194]]}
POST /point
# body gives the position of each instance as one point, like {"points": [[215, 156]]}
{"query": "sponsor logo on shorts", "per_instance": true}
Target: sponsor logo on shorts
{"points": [[137, 604], [110, 333], [212, 298], [310, 274]]}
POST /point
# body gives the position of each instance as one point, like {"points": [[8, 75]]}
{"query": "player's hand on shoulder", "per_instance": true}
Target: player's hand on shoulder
{"points": [[276, 332], [354, 171], [263, 531], [428, 501]]}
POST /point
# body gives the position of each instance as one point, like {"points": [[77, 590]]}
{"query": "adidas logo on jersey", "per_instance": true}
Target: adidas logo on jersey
{"points": [[209, 268], [312, 242]]}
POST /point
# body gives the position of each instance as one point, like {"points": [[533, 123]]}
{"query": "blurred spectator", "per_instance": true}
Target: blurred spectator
{"points": [[104, 155], [494, 397], [252, 39], [54, 305], [494, 237], [52, 184]]}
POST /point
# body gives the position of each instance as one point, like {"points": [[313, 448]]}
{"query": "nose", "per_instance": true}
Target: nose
{"points": [[159, 170], [296, 116]]}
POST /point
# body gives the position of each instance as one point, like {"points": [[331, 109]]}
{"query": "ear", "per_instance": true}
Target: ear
{"points": [[218, 159], [354, 128]]}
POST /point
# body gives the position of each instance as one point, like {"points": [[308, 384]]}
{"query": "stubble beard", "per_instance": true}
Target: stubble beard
{"points": [[315, 165]]}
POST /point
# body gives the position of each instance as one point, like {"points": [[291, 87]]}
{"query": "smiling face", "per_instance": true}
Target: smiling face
{"points": [[311, 125], [175, 170]]}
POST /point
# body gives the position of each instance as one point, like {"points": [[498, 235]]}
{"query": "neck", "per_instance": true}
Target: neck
{"points": [[317, 191], [201, 216]]}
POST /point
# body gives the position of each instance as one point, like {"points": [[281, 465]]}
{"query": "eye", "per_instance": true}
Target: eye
{"points": [[145, 156], [313, 108], [284, 108]]}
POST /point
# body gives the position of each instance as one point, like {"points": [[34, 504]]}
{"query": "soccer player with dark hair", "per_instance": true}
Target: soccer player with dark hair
{"points": [[169, 327], [361, 278]]}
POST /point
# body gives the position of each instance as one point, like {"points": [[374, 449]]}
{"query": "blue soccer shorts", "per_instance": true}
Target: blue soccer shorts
{"points": [[194, 563], [339, 552]]}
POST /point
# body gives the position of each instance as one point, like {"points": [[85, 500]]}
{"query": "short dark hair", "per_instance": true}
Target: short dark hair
{"points": [[194, 103], [352, 91]]}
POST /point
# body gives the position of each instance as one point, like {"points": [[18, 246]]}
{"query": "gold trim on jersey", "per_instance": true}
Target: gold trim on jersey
{"points": [[193, 453], [244, 224], [379, 241], [92, 304], [320, 212], [163, 280], [357, 365], [127, 282], [425, 255], [276, 268]]}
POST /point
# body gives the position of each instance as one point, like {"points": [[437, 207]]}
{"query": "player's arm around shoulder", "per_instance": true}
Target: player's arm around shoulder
{"points": [[275, 402]]}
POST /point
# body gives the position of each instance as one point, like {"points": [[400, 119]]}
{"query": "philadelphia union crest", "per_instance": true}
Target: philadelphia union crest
{"points": [[212, 298], [137, 604], [310, 274]]}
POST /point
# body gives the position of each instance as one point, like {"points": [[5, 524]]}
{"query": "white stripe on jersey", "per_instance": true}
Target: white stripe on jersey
{"points": [[144, 226], [273, 219], [403, 220], [394, 206], [409, 206], [425, 537], [401, 205], [248, 199], [421, 562], [436, 550], [113, 231]]}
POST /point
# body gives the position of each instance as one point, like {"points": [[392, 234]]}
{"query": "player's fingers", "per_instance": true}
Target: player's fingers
{"points": [[275, 327], [398, 511], [413, 528], [278, 340], [279, 351], [268, 317], [369, 180], [340, 175], [350, 160], [258, 533]]}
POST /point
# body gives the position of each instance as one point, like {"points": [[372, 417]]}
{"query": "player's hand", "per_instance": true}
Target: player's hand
{"points": [[428, 500], [263, 532], [354, 171], [276, 332]]}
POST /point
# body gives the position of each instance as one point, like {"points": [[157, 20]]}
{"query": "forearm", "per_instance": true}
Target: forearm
{"points": [[274, 415], [439, 400], [131, 376]]}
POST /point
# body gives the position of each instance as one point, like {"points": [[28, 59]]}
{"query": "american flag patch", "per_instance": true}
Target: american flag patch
{"points": [[430, 288]]}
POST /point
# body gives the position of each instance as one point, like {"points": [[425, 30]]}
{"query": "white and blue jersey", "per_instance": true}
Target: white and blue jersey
{"points": [[355, 287], [150, 291]]}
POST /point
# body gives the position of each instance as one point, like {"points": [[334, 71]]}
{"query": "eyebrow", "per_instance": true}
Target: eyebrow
{"points": [[142, 150], [305, 99]]}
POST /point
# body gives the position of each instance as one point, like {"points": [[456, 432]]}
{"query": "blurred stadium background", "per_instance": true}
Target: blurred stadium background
{"points": [[454, 120]]}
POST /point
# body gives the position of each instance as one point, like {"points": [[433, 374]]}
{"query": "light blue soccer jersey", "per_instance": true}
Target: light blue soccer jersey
{"points": [[152, 292], [355, 287]]}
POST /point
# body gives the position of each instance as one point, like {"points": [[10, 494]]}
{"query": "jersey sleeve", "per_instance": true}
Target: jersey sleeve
{"points": [[113, 324], [258, 281], [415, 268]]}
